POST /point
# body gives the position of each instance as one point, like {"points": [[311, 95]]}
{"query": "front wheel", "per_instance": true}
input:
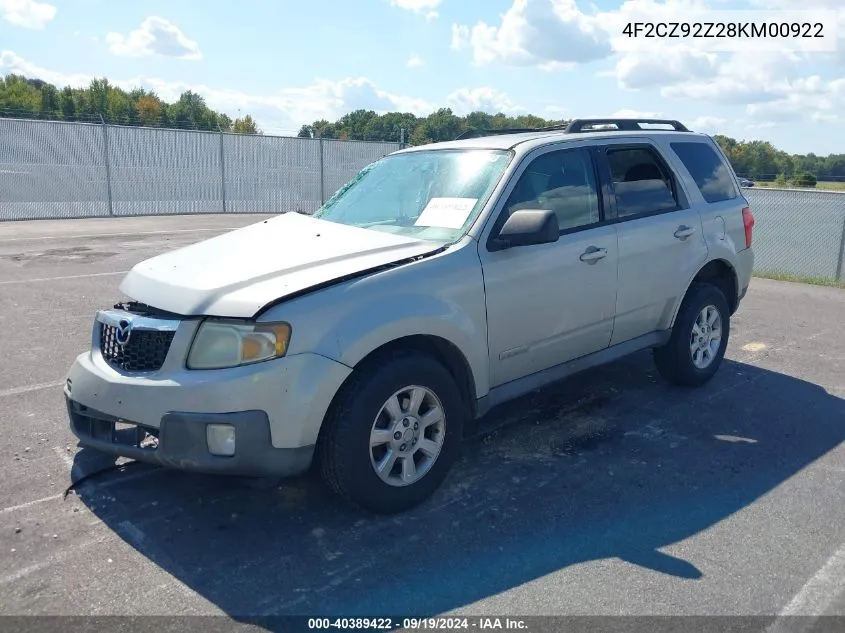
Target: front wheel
{"points": [[393, 433], [699, 338]]}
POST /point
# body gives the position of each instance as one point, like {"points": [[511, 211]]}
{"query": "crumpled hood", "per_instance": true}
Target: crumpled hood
{"points": [[238, 273]]}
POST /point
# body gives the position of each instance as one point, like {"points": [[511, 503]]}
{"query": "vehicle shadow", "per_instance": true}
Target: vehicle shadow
{"points": [[609, 464]]}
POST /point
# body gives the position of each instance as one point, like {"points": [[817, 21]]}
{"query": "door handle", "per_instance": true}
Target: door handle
{"points": [[684, 231], [593, 254]]}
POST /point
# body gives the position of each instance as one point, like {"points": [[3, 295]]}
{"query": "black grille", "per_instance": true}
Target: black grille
{"points": [[145, 350]]}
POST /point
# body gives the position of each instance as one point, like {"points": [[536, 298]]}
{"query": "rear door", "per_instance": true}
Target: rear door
{"points": [[660, 237], [721, 213]]}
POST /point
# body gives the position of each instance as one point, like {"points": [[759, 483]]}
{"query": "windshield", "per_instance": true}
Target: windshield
{"points": [[433, 195]]}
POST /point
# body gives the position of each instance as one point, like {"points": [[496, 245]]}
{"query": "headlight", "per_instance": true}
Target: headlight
{"points": [[223, 344]]}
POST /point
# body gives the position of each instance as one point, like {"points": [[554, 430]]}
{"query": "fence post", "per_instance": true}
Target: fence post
{"points": [[222, 169], [839, 266], [107, 162], [322, 176]]}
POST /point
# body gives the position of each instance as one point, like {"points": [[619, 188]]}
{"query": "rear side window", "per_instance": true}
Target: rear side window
{"points": [[641, 183], [709, 171]]}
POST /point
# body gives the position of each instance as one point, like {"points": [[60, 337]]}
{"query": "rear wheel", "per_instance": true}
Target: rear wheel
{"points": [[392, 433], [699, 338]]}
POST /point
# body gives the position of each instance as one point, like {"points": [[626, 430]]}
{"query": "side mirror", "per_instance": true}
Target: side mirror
{"points": [[527, 227]]}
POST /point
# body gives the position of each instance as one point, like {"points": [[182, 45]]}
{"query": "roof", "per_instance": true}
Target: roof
{"points": [[535, 139], [578, 130]]}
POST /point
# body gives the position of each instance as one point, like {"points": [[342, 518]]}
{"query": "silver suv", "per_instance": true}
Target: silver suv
{"points": [[439, 282]]}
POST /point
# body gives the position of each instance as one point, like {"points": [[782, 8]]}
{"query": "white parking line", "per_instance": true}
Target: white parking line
{"points": [[23, 572], [14, 391], [29, 504], [29, 281], [815, 596], [94, 235], [53, 559]]}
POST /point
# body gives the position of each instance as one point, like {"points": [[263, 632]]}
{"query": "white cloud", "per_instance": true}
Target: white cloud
{"points": [[635, 114], [762, 125], [545, 33], [12, 63], [155, 36], [811, 98], [415, 61], [707, 123], [555, 111], [423, 7], [645, 70], [738, 79], [460, 37], [27, 13], [484, 99]]}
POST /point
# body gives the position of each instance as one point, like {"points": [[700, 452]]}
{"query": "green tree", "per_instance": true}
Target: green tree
{"points": [[149, 109], [19, 98], [24, 97], [97, 99], [68, 104], [354, 124], [49, 102], [805, 179], [246, 125]]}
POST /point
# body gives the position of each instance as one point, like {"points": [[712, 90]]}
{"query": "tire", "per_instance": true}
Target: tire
{"points": [[346, 458], [675, 360]]}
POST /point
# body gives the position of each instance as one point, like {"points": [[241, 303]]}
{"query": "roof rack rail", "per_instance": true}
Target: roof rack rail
{"points": [[627, 125], [579, 125], [475, 132]]}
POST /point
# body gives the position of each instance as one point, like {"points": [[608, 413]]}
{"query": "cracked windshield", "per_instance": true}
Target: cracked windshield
{"points": [[430, 194]]}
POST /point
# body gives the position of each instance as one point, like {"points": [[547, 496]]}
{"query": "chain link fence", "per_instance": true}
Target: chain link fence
{"points": [[52, 169], [799, 233], [55, 169]]}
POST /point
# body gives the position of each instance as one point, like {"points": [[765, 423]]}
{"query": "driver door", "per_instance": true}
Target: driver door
{"points": [[551, 303]]}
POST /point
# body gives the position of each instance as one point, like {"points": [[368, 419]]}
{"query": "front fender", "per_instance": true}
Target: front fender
{"points": [[440, 296], [375, 325]]}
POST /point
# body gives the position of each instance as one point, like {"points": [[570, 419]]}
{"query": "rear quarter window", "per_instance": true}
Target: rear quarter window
{"points": [[708, 170]]}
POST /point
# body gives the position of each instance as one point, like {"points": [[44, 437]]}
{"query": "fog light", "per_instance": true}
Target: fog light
{"points": [[221, 439]]}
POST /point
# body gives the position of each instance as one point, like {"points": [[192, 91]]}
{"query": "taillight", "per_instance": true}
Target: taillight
{"points": [[748, 222]]}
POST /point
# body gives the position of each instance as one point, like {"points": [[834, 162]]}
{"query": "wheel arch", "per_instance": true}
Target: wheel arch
{"points": [[722, 274], [444, 351]]}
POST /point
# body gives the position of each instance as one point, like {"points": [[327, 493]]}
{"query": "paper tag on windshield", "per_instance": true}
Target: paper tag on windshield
{"points": [[448, 213]]}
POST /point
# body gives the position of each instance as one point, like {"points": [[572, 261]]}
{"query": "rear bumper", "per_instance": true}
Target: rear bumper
{"points": [[180, 442], [744, 272]]}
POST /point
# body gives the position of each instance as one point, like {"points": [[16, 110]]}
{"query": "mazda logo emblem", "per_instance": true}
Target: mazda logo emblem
{"points": [[122, 332]]}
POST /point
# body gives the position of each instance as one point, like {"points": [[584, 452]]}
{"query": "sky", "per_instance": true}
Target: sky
{"points": [[290, 62]]}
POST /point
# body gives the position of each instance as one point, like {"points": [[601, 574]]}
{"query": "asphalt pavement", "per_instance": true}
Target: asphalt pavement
{"points": [[609, 494]]}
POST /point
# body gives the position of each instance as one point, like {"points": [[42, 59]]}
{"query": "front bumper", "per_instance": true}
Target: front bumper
{"points": [[277, 408], [180, 442]]}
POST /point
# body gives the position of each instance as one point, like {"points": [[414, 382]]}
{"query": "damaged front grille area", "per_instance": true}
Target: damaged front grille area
{"points": [[89, 423]]}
